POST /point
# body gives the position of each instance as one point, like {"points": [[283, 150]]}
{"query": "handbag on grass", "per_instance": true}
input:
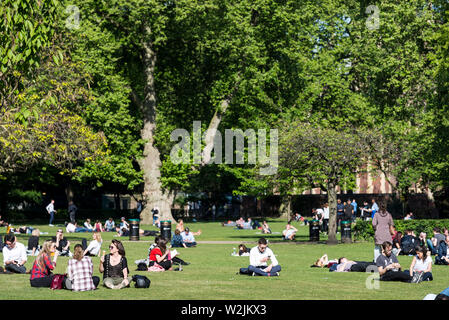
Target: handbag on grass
{"points": [[57, 282]]}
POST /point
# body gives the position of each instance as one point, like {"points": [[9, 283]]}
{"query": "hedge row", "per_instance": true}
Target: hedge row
{"points": [[363, 230]]}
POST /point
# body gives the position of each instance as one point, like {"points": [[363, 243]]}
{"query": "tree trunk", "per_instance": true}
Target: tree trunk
{"points": [[433, 211], [69, 193], [332, 199], [150, 164], [286, 207]]}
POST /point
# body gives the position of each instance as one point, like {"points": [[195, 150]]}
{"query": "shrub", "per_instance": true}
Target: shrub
{"points": [[363, 230]]}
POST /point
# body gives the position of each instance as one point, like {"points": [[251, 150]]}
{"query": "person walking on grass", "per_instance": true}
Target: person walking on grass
{"points": [[383, 229], [51, 211]]}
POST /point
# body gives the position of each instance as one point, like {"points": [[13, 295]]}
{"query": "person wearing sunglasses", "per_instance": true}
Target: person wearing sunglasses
{"points": [[114, 267], [14, 254], [62, 244]]}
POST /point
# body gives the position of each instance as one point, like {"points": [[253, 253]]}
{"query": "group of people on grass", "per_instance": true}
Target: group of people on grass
{"points": [[389, 243], [79, 269]]}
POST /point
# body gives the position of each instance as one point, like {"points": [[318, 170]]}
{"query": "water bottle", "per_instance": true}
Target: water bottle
{"points": [[180, 267], [234, 253]]}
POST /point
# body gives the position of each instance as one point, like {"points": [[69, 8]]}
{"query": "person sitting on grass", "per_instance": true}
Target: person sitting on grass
{"points": [[41, 276], [161, 255], [243, 250], [421, 266], [397, 243], [88, 225], [121, 232], [266, 228], [62, 244], [33, 243], [176, 241], [79, 272], [188, 239], [93, 249], [14, 254], [389, 267], [123, 224], [258, 260], [109, 225], [114, 267], [289, 232], [98, 226]]}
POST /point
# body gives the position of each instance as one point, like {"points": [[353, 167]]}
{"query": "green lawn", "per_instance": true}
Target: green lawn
{"points": [[212, 272]]}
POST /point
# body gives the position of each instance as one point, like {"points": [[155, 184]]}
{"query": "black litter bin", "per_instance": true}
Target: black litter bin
{"points": [[166, 229], [134, 226], [314, 230], [346, 231]]}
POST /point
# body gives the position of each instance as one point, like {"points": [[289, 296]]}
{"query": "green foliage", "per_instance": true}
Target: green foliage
{"points": [[363, 230], [27, 30]]}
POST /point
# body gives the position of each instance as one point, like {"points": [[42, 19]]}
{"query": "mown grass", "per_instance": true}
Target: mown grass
{"points": [[212, 272]]}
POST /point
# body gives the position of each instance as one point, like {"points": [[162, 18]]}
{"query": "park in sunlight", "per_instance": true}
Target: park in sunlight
{"points": [[141, 137]]}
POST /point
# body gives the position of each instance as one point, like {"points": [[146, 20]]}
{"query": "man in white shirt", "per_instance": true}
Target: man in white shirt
{"points": [[70, 228], [258, 258], [325, 226], [188, 238], [14, 254], [51, 211]]}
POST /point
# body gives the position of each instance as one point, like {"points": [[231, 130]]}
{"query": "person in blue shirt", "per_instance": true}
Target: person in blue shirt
{"points": [[354, 214], [374, 208]]}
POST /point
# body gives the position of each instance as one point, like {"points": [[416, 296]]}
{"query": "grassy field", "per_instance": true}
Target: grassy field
{"points": [[212, 272]]}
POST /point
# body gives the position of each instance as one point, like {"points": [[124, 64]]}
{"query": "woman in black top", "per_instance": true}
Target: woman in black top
{"points": [[33, 243], [115, 267]]}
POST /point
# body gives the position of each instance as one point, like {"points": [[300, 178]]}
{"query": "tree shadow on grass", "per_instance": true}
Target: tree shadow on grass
{"points": [[276, 238]]}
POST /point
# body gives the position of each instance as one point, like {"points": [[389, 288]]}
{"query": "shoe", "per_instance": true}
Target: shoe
{"points": [[277, 274], [417, 277], [254, 274], [50, 225]]}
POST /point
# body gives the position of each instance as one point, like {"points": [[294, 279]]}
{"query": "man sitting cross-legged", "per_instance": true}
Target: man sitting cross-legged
{"points": [[258, 258]]}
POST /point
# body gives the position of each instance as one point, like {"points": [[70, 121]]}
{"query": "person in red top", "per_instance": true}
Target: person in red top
{"points": [[41, 275], [161, 255]]}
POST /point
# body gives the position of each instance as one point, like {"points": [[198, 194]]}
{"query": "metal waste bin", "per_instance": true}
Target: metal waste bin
{"points": [[345, 227], [166, 229], [134, 226], [314, 230]]}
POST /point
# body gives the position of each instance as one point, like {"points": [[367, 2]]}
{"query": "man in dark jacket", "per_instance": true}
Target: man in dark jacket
{"points": [[72, 211]]}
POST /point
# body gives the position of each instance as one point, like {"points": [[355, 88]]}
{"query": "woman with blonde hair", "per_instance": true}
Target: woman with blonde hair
{"points": [[41, 275], [94, 246], [79, 272]]}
